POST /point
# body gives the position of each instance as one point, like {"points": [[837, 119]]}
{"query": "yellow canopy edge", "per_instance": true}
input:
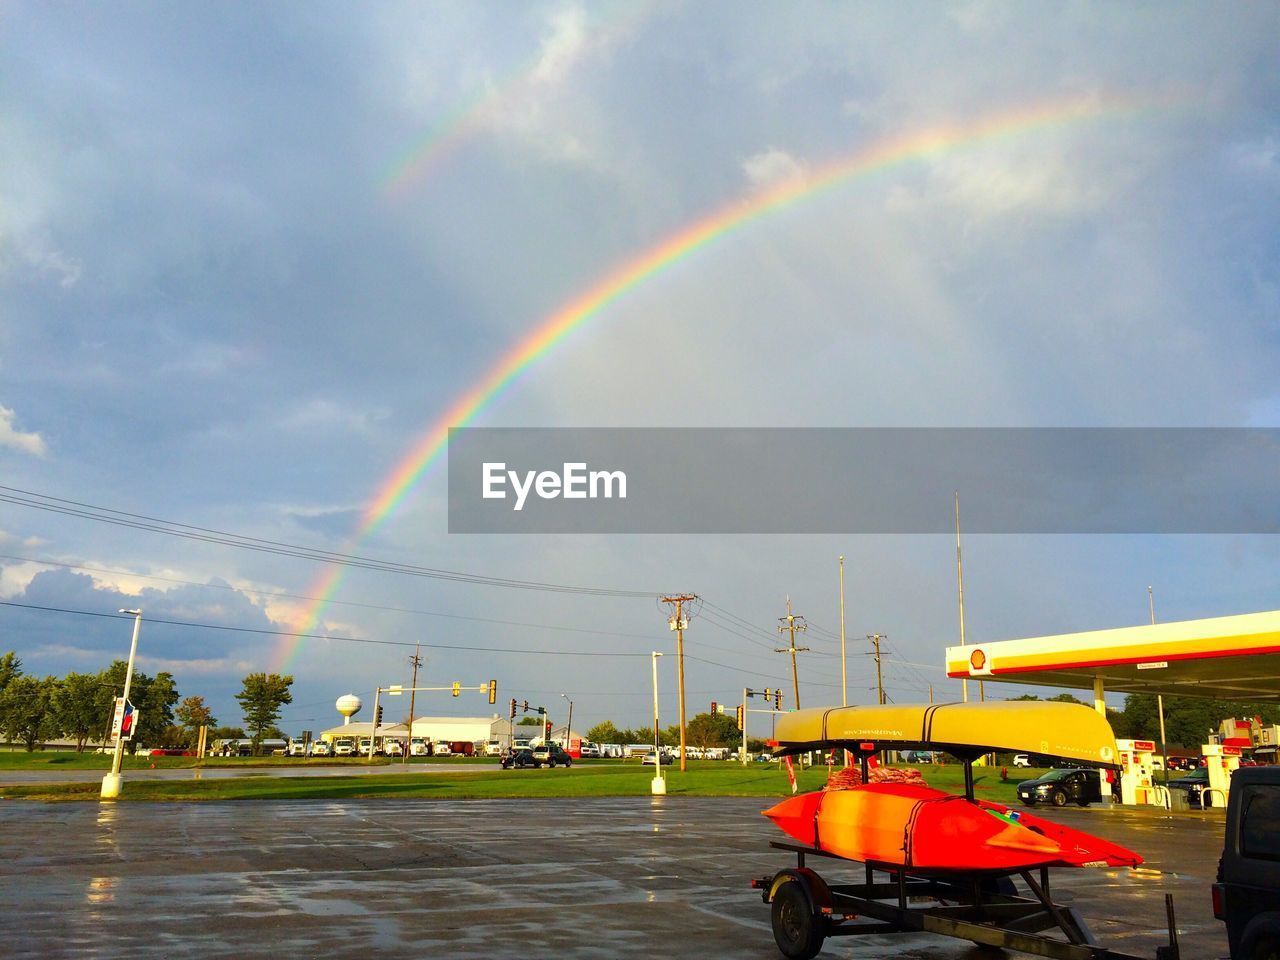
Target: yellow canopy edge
{"points": [[1068, 731]]}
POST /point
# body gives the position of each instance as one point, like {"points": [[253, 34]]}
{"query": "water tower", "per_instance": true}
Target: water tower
{"points": [[348, 704]]}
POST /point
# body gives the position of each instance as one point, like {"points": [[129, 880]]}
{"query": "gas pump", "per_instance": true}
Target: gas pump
{"points": [[1136, 771], [1221, 761]]}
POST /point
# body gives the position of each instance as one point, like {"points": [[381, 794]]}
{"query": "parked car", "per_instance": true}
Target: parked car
{"points": [[1247, 894], [320, 748], [1022, 760], [1061, 787], [551, 754], [651, 758], [520, 758], [1194, 783]]}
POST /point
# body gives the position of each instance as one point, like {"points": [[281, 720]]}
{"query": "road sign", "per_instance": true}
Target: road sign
{"points": [[395, 689]]}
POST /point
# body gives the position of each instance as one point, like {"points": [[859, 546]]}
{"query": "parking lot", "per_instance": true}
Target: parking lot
{"points": [[503, 878]]}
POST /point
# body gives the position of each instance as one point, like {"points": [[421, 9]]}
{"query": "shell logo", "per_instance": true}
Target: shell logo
{"points": [[1106, 754], [977, 660]]}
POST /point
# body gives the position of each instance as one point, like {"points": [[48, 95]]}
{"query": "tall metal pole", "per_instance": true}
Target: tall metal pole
{"points": [[743, 754], [416, 660], [111, 783], [373, 733], [1151, 604], [568, 730], [844, 676], [964, 684], [658, 785]]}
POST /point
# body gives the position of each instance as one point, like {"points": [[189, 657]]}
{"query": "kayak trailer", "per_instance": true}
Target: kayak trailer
{"points": [[986, 907]]}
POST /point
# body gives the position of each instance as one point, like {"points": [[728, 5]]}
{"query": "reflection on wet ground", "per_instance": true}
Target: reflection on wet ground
{"points": [[574, 878], [46, 775]]}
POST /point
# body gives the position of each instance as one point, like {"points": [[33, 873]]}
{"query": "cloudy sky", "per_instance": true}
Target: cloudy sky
{"points": [[249, 256]]}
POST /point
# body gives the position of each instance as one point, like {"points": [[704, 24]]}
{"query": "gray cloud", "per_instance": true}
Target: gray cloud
{"points": [[215, 309]]}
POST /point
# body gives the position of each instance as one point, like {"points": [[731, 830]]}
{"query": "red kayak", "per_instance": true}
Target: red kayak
{"points": [[926, 829]]}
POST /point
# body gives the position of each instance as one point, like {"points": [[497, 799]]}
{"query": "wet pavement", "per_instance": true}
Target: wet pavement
{"points": [[46, 775], [572, 878]]}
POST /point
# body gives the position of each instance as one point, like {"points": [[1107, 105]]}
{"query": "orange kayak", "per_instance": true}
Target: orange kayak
{"points": [[926, 829]]}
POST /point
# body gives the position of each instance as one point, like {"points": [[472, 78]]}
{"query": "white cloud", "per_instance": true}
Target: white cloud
{"points": [[772, 166], [1257, 156], [10, 436], [562, 47]]}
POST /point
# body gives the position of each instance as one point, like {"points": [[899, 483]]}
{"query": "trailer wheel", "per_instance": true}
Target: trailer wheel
{"points": [[796, 930]]}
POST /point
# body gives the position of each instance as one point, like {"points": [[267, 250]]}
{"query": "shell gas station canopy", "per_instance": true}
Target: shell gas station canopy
{"points": [[1229, 658]]}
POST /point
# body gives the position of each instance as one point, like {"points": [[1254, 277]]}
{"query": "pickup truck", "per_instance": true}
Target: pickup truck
{"points": [[1247, 894]]}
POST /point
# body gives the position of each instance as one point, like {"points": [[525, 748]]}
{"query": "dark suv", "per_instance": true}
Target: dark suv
{"points": [[1061, 787], [551, 754], [1194, 784], [1247, 894]]}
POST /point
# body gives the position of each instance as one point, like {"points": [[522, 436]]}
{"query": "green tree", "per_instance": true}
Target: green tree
{"points": [[153, 697], [26, 710], [1188, 720], [1066, 698], [226, 733], [712, 730], [80, 707], [192, 714], [528, 722], [605, 733], [261, 698], [10, 668]]}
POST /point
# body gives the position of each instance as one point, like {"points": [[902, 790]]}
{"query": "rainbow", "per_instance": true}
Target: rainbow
{"points": [[552, 330], [455, 128]]}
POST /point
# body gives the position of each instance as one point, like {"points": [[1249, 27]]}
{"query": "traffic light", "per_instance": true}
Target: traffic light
{"points": [[740, 726], [493, 691], [513, 708], [777, 699], [715, 708], [768, 692], [457, 688], [547, 730], [524, 706], [377, 717]]}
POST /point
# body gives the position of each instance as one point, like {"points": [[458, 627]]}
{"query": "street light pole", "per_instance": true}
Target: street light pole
{"points": [[111, 782], [659, 785], [568, 730]]}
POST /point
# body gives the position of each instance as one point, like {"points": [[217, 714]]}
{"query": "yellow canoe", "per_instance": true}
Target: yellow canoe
{"points": [[1067, 731]]}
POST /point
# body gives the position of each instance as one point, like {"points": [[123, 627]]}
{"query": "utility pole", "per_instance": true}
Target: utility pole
{"points": [[790, 625], [678, 622], [1151, 603], [875, 639], [964, 684], [415, 661], [844, 676]]}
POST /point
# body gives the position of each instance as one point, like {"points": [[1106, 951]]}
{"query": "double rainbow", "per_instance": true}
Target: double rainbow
{"points": [[547, 334]]}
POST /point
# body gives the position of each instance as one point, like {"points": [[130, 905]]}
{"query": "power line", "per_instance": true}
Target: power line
{"points": [[346, 603], [99, 514], [321, 636]]}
